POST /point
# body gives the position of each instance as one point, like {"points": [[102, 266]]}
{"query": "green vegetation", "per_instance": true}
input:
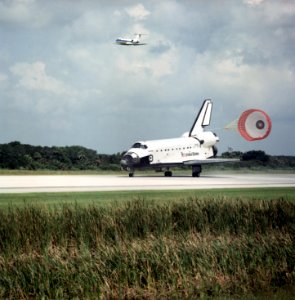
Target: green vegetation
{"points": [[259, 160], [48, 200], [15, 155], [154, 244]]}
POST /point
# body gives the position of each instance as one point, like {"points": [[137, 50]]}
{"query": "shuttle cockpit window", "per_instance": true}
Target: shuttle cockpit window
{"points": [[136, 145], [139, 145]]}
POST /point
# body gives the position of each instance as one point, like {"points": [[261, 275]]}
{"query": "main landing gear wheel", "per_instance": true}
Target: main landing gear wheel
{"points": [[196, 171], [168, 173], [196, 174]]}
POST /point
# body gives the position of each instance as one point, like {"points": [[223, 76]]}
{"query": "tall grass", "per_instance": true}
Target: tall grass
{"points": [[193, 248]]}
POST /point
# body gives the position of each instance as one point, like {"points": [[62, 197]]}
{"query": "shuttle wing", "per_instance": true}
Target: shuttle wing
{"points": [[209, 161]]}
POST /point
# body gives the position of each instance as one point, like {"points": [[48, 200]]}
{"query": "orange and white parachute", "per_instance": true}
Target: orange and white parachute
{"points": [[253, 125]]}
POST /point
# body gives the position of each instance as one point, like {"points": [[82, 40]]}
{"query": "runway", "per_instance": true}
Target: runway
{"points": [[83, 183]]}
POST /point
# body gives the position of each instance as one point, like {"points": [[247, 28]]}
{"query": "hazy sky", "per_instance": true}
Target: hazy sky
{"points": [[63, 80]]}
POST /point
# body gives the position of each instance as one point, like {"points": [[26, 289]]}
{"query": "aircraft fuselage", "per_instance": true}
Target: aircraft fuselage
{"points": [[130, 42]]}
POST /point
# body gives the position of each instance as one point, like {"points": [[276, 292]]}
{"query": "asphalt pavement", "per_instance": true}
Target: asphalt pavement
{"points": [[78, 183]]}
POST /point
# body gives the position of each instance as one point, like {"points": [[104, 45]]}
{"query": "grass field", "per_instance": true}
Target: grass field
{"points": [[165, 244], [108, 198]]}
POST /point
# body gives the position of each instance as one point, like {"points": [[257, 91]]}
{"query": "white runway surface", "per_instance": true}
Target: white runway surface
{"points": [[78, 183]]}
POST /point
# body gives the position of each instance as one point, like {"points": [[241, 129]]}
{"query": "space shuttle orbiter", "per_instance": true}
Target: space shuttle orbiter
{"points": [[193, 148]]}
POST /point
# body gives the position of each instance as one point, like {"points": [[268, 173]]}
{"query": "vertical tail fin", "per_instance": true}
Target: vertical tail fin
{"points": [[137, 37], [203, 118]]}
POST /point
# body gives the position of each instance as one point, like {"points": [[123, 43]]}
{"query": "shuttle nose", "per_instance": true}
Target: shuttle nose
{"points": [[129, 160]]}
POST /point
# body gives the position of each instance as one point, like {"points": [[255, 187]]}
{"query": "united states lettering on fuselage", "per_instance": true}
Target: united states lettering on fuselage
{"points": [[131, 42], [194, 148]]}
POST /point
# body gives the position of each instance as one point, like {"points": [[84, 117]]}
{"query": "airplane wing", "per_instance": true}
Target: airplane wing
{"points": [[210, 161], [131, 44]]}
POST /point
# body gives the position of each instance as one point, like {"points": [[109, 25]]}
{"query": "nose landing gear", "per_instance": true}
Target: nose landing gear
{"points": [[131, 172]]}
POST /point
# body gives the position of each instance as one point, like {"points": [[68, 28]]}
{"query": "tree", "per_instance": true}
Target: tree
{"points": [[257, 155], [232, 154]]}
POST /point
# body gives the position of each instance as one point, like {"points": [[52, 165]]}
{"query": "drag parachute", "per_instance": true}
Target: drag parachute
{"points": [[254, 124]]}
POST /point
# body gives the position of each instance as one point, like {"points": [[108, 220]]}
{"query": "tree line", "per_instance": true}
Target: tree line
{"points": [[258, 158], [15, 155]]}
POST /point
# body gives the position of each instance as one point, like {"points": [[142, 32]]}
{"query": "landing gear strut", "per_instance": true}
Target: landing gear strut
{"points": [[131, 172], [196, 170]]}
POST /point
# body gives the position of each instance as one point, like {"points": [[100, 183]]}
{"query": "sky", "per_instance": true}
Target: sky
{"points": [[64, 81]]}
